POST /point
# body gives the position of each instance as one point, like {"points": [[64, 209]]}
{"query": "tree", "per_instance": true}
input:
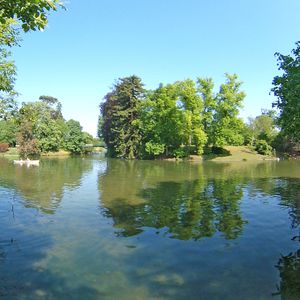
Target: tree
{"points": [[192, 107], [26, 140], [261, 128], [287, 90], [54, 106], [205, 89], [8, 130], [120, 118], [47, 123], [74, 137], [31, 14], [226, 126], [8, 37], [162, 121]]}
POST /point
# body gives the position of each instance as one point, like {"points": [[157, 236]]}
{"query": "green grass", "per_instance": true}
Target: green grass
{"points": [[238, 153], [12, 153]]}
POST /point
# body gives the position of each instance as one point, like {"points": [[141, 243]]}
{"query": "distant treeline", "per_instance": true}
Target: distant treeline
{"points": [[188, 117], [39, 127], [179, 119]]}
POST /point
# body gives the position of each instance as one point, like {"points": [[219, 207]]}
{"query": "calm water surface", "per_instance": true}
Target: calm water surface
{"points": [[106, 229]]}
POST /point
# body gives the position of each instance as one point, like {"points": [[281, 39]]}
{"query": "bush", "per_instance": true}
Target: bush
{"points": [[154, 149], [3, 147], [262, 147], [179, 153]]}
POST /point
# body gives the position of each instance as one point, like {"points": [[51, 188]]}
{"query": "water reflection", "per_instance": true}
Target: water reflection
{"points": [[185, 201], [43, 187], [191, 200], [189, 210], [289, 272], [165, 231]]}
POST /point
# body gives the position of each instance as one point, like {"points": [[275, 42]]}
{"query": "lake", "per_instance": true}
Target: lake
{"points": [[92, 228]]}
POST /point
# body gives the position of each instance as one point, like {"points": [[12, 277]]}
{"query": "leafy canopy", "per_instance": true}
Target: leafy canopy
{"points": [[31, 14], [287, 90]]}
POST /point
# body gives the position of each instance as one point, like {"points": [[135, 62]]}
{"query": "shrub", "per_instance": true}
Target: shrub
{"points": [[262, 147], [3, 147], [154, 149]]}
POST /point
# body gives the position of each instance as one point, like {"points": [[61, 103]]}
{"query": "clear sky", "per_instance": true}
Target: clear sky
{"points": [[84, 49]]}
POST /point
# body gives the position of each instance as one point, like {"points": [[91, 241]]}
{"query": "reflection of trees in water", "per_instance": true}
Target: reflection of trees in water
{"points": [[174, 198], [289, 191], [289, 265], [195, 201], [43, 186], [289, 271]]}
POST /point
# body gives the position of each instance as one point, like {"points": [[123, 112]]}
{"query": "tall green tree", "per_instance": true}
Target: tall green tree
{"points": [[227, 126], [205, 89], [47, 124], [286, 88], [191, 105], [120, 118], [74, 137], [8, 131], [162, 121]]}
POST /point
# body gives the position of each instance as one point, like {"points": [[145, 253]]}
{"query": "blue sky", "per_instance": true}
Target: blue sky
{"points": [[84, 49]]}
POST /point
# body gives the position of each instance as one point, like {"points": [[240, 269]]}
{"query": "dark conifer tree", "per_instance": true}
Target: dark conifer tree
{"points": [[120, 118]]}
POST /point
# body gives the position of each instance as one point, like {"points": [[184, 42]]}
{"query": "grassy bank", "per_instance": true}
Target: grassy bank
{"points": [[12, 153], [237, 153], [57, 153]]}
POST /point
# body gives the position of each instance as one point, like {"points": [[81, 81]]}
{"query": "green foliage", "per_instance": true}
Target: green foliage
{"points": [[287, 90], [7, 72], [49, 134], [49, 130], [192, 115], [31, 14], [8, 37], [173, 120], [162, 120], [227, 127], [47, 124], [260, 128], [154, 149], [205, 90], [74, 137], [8, 130], [120, 127], [88, 138], [262, 147]]}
